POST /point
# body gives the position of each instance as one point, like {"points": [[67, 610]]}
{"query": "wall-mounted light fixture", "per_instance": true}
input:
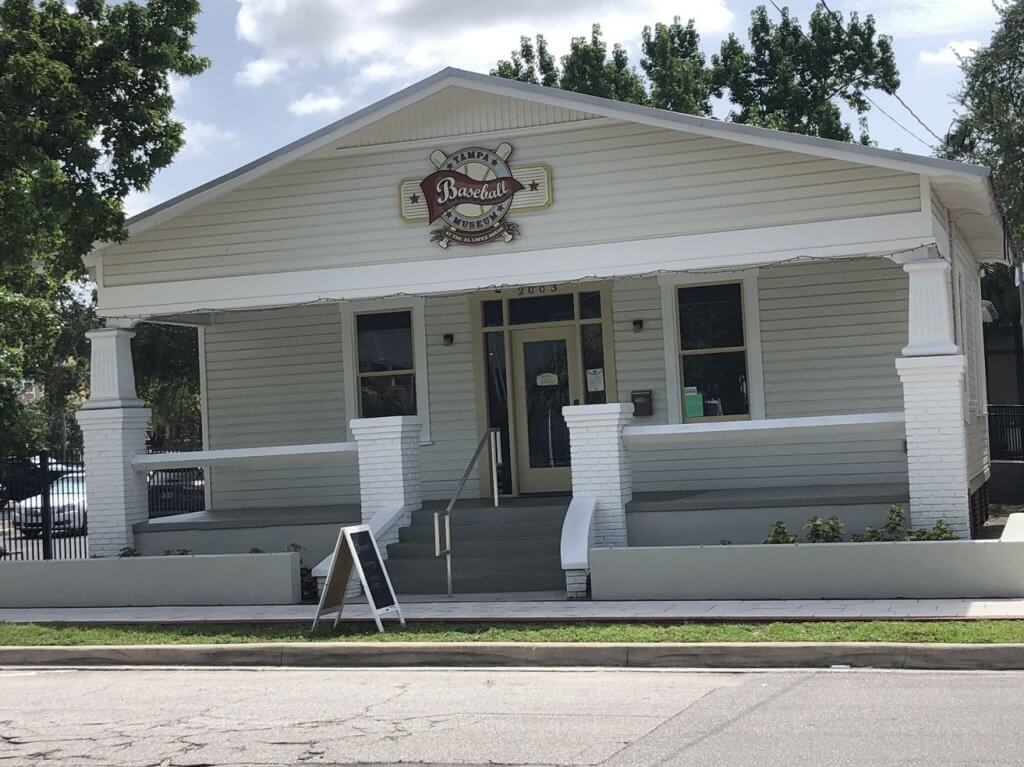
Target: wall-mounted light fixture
{"points": [[448, 338], [638, 325]]}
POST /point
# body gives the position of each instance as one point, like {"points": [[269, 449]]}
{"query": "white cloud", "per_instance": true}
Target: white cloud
{"points": [[949, 54], [407, 39], [922, 18], [379, 71], [260, 72], [178, 86], [326, 101], [136, 202], [200, 136]]}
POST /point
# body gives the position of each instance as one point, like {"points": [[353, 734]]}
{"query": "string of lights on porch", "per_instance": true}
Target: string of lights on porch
{"points": [[704, 271]]}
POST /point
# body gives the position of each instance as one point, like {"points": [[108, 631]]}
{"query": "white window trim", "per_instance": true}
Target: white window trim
{"points": [[419, 355], [751, 336]]}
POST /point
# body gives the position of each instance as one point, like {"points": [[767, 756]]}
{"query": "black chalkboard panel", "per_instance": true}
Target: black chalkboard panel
{"points": [[373, 569]]}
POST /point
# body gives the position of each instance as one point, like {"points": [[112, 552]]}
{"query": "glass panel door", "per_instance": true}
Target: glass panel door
{"points": [[547, 364]]}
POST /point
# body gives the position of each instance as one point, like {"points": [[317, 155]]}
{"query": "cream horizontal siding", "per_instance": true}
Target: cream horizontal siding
{"points": [[823, 457], [458, 112], [640, 357], [453, 427], [612, 182], [276, 378], [830, 333], [970, 338]]}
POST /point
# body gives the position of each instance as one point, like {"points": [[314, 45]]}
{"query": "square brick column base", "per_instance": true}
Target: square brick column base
{"points": [[117, 493], [389, 473], [933, 405]]}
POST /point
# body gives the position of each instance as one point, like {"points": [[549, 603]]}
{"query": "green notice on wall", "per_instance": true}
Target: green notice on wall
{"points": [[693, 402]]}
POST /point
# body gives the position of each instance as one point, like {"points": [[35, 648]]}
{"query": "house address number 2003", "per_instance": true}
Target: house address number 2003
{"points": [[533, 290]]}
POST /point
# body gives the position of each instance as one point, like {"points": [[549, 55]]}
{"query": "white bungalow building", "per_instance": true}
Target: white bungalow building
{"points": [[688, 328]]}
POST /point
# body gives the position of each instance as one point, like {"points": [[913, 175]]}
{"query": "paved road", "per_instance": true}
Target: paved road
{"points": [[288, 717]]}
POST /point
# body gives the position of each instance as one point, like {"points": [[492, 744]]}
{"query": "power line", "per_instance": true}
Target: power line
{"points": [[897, 122], [895, 95]]}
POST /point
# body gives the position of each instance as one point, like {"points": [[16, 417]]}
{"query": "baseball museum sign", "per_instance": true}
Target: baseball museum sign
{"points": [[471, 193]]}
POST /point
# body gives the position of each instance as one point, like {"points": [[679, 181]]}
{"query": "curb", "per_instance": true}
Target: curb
{"points": [[962, 657]]}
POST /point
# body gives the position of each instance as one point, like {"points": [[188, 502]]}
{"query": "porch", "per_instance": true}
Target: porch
{"points": [[682, 409]]}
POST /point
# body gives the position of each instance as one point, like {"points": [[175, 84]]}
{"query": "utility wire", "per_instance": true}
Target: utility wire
{"points": [[896, 96]]}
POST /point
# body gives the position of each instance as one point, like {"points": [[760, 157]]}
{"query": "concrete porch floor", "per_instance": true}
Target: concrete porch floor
{"points": [[550, 608]]}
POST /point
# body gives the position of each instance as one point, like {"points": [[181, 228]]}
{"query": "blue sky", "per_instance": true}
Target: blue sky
{"points": [[283, 68]]}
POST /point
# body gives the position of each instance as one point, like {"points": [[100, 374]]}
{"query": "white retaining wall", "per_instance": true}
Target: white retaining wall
{"points": [[222, 579], [906, 570]]}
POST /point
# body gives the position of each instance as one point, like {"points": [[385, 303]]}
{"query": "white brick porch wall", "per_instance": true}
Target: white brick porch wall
{"points": [[113, 423], [936, 440], [600, 466], [389, 473]]}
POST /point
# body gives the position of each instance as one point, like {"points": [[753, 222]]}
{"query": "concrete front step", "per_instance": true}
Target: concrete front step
{"points": [[488, 532], [510, 516], [477, 549], [414, 576]]}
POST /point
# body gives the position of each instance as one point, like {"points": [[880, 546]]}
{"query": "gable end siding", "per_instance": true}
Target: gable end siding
{"points": [[612, 182]]}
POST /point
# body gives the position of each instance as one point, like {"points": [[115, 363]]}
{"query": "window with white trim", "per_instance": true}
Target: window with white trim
{"points": [[386, 369], [712, 351]]}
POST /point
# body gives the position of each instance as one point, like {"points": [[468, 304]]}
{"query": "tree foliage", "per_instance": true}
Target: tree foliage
{"points": [[783, 78], [166, 361], [676, 68], [794, 81], [85, 118], [990, 128]]}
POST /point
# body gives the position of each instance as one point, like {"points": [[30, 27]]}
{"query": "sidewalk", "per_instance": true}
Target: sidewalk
{"points": [[548, 608]]}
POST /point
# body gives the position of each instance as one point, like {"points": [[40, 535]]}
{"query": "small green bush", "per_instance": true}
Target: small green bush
{"points": [[780, 534], [820, 530], [128, 551]]}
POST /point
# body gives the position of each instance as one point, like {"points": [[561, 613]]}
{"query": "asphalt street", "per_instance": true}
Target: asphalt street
{"points": [[338, 716]]}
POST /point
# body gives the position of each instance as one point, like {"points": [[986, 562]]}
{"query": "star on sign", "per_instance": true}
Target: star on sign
{"points": [[414, 198], [534, 186]]}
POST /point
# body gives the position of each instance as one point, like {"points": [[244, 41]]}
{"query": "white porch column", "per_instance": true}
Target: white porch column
{"points": [[932, 371], [113, 422], [600, 466], [930, 308], [389, 467]]}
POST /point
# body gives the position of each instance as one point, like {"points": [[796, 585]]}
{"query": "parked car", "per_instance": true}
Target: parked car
{"points": [[176, 490], [67, 506]]}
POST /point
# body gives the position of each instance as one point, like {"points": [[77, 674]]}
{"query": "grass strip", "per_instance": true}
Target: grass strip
{"points": [[973, 632]]}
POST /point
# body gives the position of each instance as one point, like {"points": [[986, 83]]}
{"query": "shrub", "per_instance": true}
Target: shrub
{"points": [[824, 530], [940, 532], [780, 534], [128, 551]]}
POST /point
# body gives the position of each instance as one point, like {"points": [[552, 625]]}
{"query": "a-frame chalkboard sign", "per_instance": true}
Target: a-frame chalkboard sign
{"points": [[356, 548]]}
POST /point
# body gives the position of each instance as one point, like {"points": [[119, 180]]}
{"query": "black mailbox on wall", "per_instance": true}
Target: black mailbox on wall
{"points": [[643, 402]]}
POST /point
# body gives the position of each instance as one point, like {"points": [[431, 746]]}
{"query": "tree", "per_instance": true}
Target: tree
{"points": [[790, 80], [990, 128], [784, 78], [166, 361], [85, 118], [676, 68], [585, 69], [530, 64]]}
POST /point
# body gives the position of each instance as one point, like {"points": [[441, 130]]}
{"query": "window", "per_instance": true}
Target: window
{"points": [[712, 351], [386, 364]]}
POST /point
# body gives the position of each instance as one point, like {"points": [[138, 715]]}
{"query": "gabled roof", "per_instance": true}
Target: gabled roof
{"points": [[970, 183]]}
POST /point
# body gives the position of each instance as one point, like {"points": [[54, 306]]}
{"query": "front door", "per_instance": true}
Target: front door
{"points": [[546, 362]]}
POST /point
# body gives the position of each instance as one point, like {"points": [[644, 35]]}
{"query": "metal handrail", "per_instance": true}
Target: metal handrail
{"points": [[491, 438]]}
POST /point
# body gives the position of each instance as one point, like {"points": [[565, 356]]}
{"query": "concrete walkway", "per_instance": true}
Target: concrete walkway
{"points": [[550, 608]]}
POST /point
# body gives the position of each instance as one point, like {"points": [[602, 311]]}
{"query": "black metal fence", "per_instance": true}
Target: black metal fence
{"points": [[1006, 432], [176, 491], [43, 510]]}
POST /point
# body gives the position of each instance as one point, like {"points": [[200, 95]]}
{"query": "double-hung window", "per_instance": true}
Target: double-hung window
{"points": [[386, 374], [713, 351]]}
